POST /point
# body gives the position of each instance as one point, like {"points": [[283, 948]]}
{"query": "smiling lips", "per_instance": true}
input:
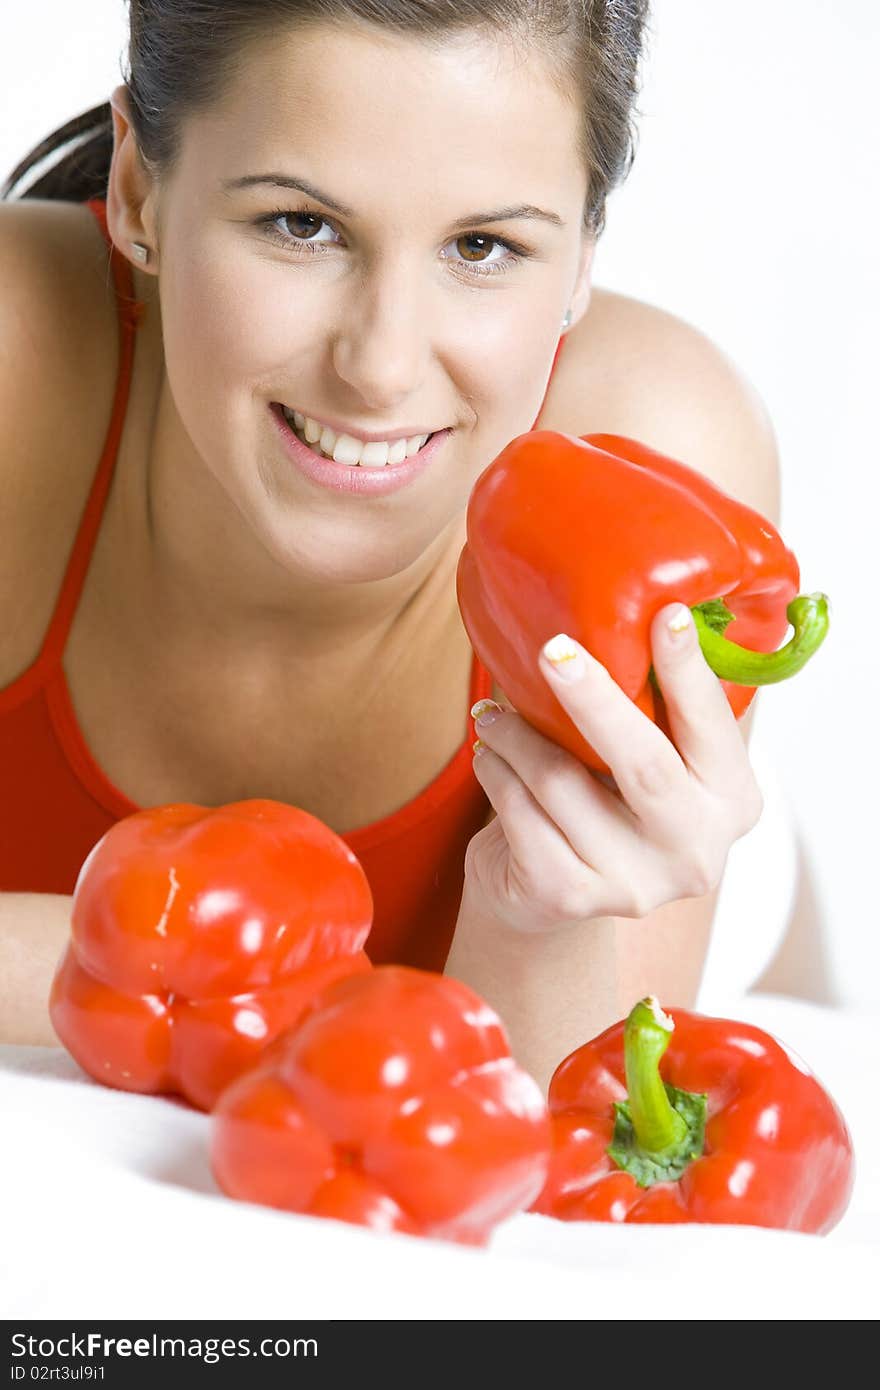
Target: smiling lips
{"points": [[345, 448]]}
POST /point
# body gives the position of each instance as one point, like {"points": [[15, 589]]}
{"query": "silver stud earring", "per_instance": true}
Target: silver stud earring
{"points": [[141, 252], [566, 322]]}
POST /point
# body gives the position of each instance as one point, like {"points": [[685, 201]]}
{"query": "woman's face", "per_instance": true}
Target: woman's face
{"points": [[405, 310]]}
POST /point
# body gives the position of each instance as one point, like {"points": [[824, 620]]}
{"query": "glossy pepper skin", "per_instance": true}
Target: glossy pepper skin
{"points": [[197, 936], [591, 537], [731, 1128], [393, 1104]]}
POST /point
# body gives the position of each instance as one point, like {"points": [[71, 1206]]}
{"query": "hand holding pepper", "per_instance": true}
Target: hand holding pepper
{"points": [[592, 540], [565, 847], [591, 537]]}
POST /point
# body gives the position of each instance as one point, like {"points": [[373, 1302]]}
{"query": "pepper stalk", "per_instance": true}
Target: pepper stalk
{"points": [[808, 615], [659, 1130]]}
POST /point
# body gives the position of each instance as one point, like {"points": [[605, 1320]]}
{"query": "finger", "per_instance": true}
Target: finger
{"points": [[543, 855], [701, 721], [594, 820], [646, 766]]}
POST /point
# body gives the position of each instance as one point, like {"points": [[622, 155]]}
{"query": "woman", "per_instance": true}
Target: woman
{"points": [[382, 216]]}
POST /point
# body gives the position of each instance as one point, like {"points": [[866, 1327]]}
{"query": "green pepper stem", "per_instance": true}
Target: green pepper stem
{"points": [[646, 1033], [808, 615]]}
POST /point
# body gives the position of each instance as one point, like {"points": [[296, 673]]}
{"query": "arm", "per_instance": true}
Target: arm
{"points": [[34, 929], [556, 989], [35, 292]]}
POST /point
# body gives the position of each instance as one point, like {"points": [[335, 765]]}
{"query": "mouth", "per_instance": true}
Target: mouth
{"points": [[346, 449]]}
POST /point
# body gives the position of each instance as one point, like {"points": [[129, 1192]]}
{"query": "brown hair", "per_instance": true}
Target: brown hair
{"points": [[181, 53]]}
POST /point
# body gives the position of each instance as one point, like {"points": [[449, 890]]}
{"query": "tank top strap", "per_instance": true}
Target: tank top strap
{"points": [[130, 311]]}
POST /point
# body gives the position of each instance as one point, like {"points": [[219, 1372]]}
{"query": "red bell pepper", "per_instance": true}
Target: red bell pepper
{"points": [[592, 537], [197, 936], [395, 1104], [732, 1127]]}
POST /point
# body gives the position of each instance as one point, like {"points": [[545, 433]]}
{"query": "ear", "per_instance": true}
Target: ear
{"points": [[130, 189], [579, 301]]}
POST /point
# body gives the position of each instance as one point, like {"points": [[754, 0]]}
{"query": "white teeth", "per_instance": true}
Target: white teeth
{"points": [[397, 452], [346, 449], [328, 441], [374, 455]]}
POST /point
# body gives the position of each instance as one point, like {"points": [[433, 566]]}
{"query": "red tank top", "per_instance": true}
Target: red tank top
{"points": [[56, 802]]}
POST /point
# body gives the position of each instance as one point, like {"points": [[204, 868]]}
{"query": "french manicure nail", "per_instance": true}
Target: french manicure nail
{"points": [[679, 621], [485, 712], [566, 657]]}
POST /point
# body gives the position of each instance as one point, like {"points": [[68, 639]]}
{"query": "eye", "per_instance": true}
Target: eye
{"points": [[312, 220], [301, 220], [482, 266]]}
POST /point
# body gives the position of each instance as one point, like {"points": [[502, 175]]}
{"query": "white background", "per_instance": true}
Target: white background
{"points": [[751, 211]]}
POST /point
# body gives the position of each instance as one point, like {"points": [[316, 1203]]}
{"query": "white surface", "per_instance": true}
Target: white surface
{"points": [[751, 210], [108, 1209]]}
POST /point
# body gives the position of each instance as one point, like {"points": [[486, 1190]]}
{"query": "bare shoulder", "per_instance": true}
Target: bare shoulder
{"points": [[638, 370], [58, 347], [56, 295]]}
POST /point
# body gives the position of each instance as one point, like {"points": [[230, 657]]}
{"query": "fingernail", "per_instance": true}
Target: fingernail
{"points": [[478, 744], [679, 621], [484, 712], [566, 656]]}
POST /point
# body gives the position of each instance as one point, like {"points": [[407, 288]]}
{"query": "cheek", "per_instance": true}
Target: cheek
{"points": [[510, 398], [228, 330]]}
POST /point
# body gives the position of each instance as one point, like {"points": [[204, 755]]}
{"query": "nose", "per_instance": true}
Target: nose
{"points": [[380, 343]]}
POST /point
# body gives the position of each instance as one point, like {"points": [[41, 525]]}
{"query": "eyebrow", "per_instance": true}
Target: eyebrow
{"points": [[517, 210]]}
